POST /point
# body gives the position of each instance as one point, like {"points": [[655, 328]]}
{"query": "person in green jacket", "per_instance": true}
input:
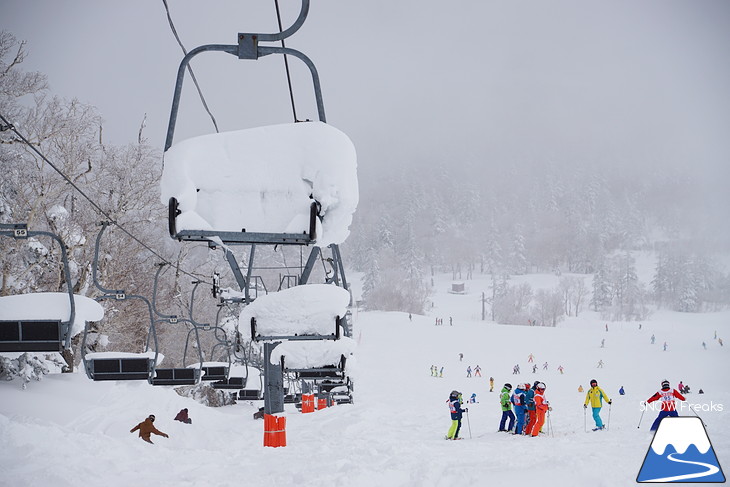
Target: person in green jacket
{"points": [[595, 397], [506, 408]]}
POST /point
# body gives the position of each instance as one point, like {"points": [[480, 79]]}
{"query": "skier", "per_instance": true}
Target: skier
{"points": [[504, 401], [468, 371], [146, 428], [560, 368], [542, 406], [451, 321], [653, 338], [595, 396], [580, 388], [441, 372], [456, 413], [410, 317], [603, 343], [183, 416], [665, 346], [530, 358], [518, 400], [680, 387], [606, 326], [545, 366], [600, 364], [461, 357], [530, 403], [534, 368], [473, 398], [719, 340], [668, 406], [704, 345], [491, 381], [477, 371]]}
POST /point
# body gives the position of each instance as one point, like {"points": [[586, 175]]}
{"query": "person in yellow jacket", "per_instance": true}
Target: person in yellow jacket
{"points": [[595, 397]]}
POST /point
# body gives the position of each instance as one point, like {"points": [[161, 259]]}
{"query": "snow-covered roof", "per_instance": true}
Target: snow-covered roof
{"points": [[261, 179], [50, 306], [306, 309]]}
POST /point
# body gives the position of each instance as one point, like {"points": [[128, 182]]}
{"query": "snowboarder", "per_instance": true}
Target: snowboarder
{"points": [[504, 401], [183, 416], [595, 396], [541, 407], [491, 381], [621, 391], [518, 400], [600, 364], [477, 371], [456, 413], [580, 388], [468, 371], [473, 398], [146, 428], [667, 396]]}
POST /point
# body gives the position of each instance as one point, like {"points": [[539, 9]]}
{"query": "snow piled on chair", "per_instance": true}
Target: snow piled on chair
{"points": [[261, 179]]}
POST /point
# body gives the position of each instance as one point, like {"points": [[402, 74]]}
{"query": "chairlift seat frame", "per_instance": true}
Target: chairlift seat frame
{"points": [[179, 376], [31, 336], [119, 368]]}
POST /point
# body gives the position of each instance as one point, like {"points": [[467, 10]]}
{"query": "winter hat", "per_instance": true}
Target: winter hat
{"points": [[665, 384], [508, 386]]}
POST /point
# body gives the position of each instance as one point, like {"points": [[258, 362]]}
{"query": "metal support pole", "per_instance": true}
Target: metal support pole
{"points": [[273, 382]]}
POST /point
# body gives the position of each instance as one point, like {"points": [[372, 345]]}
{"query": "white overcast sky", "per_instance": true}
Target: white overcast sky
{"points": [[616, 80]]}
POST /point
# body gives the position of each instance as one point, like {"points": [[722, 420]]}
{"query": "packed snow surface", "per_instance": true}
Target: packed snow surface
{"points": [[263, 180], [67, 430]]}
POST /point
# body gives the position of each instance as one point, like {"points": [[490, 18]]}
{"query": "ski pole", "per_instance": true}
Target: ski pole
{"points": [[642, 417], [468, 424], [550, 425], [608, 423], [692, 409], [585, 425]]}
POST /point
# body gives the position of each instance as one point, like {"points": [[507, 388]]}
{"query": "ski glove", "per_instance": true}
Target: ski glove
{"points": [[585, 406], [610, 402]]}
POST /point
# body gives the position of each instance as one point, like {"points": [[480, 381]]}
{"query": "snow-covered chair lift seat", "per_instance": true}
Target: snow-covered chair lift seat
{"points": [[291, 183]]}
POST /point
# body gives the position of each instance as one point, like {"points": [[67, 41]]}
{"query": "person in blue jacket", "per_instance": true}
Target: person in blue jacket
{"points": [[456, 413], [530, 401], [518, 400]]}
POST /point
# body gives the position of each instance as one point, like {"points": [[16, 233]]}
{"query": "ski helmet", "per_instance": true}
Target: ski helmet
{"points": [[455, 393], [508, 386], [540, 386], [594, 381], [665, 384], [534, 385]]}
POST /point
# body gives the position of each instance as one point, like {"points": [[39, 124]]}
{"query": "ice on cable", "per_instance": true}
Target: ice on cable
{"points": [[261, 180]]}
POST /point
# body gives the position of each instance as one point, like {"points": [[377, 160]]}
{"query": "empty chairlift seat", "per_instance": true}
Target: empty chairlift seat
{"points": [[289, 184], [176, 377], [122, 368], [40, 322]]}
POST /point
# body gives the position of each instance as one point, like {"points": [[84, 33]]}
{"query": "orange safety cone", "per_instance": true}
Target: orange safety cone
{"points": [[307, 403], [274, 430]]}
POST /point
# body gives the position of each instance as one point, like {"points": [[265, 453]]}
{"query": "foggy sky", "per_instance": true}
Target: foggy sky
{"points": [[623, 82]]}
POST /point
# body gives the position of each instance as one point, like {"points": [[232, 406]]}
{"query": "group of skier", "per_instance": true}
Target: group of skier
{"points": [[524, 409]]}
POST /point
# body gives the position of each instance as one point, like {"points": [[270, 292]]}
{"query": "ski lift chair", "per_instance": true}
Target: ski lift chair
{"points": [[38, 335], [106, 366]]}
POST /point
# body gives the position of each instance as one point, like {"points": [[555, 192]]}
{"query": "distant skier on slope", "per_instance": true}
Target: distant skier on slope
{"points": [[504, 401], [491, 381], [595, 396], [468, 370], [667, 396], [456, 413]]}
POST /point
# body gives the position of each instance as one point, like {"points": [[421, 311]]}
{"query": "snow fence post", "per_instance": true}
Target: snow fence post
{"points": [[274, 430], [307, 403]]}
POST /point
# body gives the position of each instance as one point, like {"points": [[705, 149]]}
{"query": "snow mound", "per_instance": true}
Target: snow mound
{"points": [[263, 180]]}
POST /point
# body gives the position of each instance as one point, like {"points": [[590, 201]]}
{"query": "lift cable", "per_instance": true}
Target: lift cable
{"points": [[8, 126], [190, 69], [286, 64]]}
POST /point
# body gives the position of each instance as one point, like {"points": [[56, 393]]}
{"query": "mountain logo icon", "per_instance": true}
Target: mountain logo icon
{"points": [[681, 452]]}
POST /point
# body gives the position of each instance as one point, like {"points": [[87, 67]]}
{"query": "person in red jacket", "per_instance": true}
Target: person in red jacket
{"points": [[667, 398], [537, 418], [183, 416]]}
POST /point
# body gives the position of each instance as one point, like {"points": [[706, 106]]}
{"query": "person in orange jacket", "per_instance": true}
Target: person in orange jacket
{"points": [[542, 406], [146, 428]]}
